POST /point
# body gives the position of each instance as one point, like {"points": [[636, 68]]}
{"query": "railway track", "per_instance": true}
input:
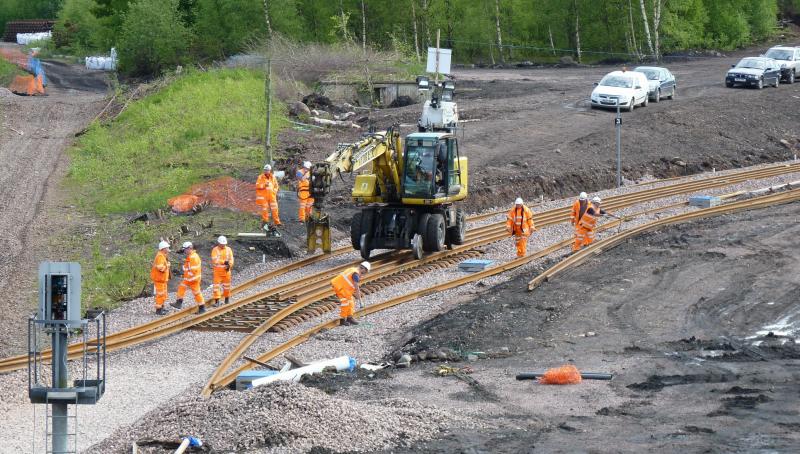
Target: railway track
{"points": [[312, 295], [572, 261]]}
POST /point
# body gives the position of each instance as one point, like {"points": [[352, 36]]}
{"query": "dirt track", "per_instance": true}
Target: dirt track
{"points": [[681, 318], [34, 135]]}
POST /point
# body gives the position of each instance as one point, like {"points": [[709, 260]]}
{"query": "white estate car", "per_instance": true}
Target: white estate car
{"points": [[629, 88]]}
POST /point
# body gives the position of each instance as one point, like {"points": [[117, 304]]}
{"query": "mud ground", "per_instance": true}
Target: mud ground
{"points": [[697, 323], [34, 134]]}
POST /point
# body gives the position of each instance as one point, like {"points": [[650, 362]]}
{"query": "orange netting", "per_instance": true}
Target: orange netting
{"points": [[14, 55], [225, 192], [564, 375]]}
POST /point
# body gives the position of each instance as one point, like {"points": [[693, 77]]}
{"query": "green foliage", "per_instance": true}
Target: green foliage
{"points": [[27, 9], [7, 72], [224, 26], [201, 126], [77, 29], [153, 37]]}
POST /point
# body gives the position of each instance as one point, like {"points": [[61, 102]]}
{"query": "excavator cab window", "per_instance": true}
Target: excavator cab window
{"points": [[453, 171], [420, 168]]}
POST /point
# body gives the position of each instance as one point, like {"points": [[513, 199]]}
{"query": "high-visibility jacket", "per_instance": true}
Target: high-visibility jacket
{"points": [[159, 273], [220, 255], [519, 220], [345, 283], [578, 209], [589, 219], [303, 184], [192, 268], [266, 188]]}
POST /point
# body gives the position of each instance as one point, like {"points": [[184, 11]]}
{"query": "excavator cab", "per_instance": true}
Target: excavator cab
{"points": [[432, 169]]}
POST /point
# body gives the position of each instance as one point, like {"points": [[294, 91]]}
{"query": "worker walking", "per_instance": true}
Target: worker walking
{"points": [[267, 196], [222, 261], [578, 210], [587, 226], [192, 272], [519, 224], [304, 191], [347, 288], [159, 274]]}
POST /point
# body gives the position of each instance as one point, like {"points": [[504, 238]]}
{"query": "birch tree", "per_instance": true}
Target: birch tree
{"points": [[657, 4], [416, 35], [497, 28], [647, 29]]}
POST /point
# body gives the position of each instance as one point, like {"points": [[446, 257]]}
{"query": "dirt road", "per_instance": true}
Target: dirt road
{"points": [[34, 134], [697, 323]]}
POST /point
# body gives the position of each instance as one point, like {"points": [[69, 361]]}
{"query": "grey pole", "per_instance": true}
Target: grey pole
{"points": [[60, 379], [618, 122]]}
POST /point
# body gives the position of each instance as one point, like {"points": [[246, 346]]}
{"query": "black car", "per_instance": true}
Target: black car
{"points": [[755, 72], [661, 82]]}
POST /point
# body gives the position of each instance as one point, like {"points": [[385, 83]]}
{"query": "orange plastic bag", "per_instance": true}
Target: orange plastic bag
{"points": [[564, 375], [183, 203]]}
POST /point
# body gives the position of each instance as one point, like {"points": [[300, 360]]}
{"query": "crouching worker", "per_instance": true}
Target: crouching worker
{"points": [[347, 288]]}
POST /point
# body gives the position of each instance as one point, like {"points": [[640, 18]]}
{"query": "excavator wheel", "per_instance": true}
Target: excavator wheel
{"points": [[433, 241], [458, 233], [355, 231], [364, 247]]}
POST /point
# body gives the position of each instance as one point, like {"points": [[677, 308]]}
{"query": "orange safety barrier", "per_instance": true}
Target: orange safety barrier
{"points": [[225, 192], [27, 85], [564, 375]]}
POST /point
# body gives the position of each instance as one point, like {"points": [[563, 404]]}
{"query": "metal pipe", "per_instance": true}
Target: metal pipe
{"points": [[584, 375]]}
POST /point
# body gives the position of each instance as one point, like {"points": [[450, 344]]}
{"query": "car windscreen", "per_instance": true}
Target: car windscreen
{"points": [[751, 63], [780, 54], [650, 73], [616, 81]]}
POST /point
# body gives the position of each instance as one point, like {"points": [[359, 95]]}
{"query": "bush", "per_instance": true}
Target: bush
{"points": [[153, 38], [77, 28]]}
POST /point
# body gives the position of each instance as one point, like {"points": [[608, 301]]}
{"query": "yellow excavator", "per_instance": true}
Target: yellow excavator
{"points": [[406, 189]]}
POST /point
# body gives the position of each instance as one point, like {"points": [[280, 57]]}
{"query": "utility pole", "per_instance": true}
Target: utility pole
{"points": [[436, 77], [268, 88], [618, 124]]}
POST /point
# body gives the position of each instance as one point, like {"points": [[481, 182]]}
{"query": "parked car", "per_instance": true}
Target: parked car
{"points": [[754, 71], [628, 88], [660, 81], [789, 60]]}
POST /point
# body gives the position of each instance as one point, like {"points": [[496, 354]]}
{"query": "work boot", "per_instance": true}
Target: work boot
{"points": [[161, 311], [227, 300], [352, 321], [201, 309], [216, 302], [177, 304], [344, 321]]}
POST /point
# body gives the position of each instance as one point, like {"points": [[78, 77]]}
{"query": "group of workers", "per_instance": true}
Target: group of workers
{"points": [[519, 222], [221, 261], [267, 195]]}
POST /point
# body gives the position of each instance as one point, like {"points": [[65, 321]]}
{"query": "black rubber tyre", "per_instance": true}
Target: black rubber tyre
{"points": [[658, 96], [433, 241], [777, 82], [727, 84], [631, 106], [355, 231], [790, 80], [365, 249], [646, 101], [760, 84], [675, 92], [422, 223], [458, 233]]}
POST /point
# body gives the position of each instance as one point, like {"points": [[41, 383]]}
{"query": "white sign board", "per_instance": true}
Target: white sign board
{"points": [[444, 60]]}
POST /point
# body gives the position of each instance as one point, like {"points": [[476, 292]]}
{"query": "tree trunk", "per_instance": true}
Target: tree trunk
{"points": [[552, 44], [416, 35], [497, 28], [577, 31], [448, 12], [647, 29], [425, 6], [657, 4], [363, 26], [266, 16], [633, 31]]}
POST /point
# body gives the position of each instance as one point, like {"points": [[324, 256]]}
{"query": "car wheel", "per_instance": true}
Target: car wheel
{"points": [[646, 100], [791, 77], [674, 92], [760, 83], [658, 96], [777, 81], [631, 105], [729, 84]]}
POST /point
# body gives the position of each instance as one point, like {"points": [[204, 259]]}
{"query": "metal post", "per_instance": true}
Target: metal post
{"points": [[60, 379], [436, 77], [618, 123], [268, 96]]}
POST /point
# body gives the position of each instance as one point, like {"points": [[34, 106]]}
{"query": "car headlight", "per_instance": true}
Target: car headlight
{"points": [[751, 76]]}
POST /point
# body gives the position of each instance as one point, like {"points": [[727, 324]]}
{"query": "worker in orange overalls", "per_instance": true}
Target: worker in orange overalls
{"points": [[304, 191], [192, 272], [346, 287], [578, 210], [222, 261], [519, 223], [159, 274], [587, 226], [267, 196]]}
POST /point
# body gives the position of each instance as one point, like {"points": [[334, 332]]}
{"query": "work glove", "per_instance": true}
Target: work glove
{"points": [[227, 265]]}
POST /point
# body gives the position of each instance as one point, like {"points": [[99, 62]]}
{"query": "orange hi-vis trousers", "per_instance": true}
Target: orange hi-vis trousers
{"points": [[583, 237], [222, 284], [304, 208], [194, 286], [270, 206], [160, 290], [344, 288], [522, 244]]}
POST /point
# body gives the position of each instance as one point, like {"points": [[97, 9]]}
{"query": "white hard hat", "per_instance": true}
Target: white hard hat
{"points": [[222, 240], [163, 245], [307, 164], [267, 167], [596, 200], [583, 196], [366, 265], [187, 244], [518, 201]]}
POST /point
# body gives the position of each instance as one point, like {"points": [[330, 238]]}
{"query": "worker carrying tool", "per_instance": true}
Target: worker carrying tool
{"points": [[578, 208], [304, 191], [192, 272], [159, 274], [222, 261], [347, 288], [587, 225], [519, 224], [267, 196]]}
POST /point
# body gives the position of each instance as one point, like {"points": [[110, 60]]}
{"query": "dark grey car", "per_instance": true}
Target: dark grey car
{"points": [[661, 82], [754, 72]]}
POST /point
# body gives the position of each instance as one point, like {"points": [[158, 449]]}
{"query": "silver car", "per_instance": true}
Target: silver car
{"points": [[661, 82]]}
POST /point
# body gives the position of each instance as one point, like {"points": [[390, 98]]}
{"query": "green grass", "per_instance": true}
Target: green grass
{"points": [[203, 125], [8, 71]]}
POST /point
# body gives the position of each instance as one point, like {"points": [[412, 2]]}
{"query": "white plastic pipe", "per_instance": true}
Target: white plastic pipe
{"points": [[184, 445], [340, 363]]}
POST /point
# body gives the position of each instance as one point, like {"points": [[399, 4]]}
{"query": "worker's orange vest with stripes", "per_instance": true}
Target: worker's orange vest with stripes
{"points": [[192, 268], [519, 220], [577, 213], [304, 185], [266, 188], [343, 284], [159, 273], [588, 220], [219, 255]]}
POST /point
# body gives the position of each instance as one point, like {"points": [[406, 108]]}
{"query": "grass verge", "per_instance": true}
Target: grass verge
{"points": [[7, 72]]}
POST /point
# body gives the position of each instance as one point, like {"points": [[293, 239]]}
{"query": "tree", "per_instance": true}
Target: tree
{"points": [[76, 28], [153, 38], [647, 29]]}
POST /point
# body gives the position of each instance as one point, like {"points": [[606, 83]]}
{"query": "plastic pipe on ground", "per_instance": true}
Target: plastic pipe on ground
{"points": [[341, 363], [584, 375]]}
